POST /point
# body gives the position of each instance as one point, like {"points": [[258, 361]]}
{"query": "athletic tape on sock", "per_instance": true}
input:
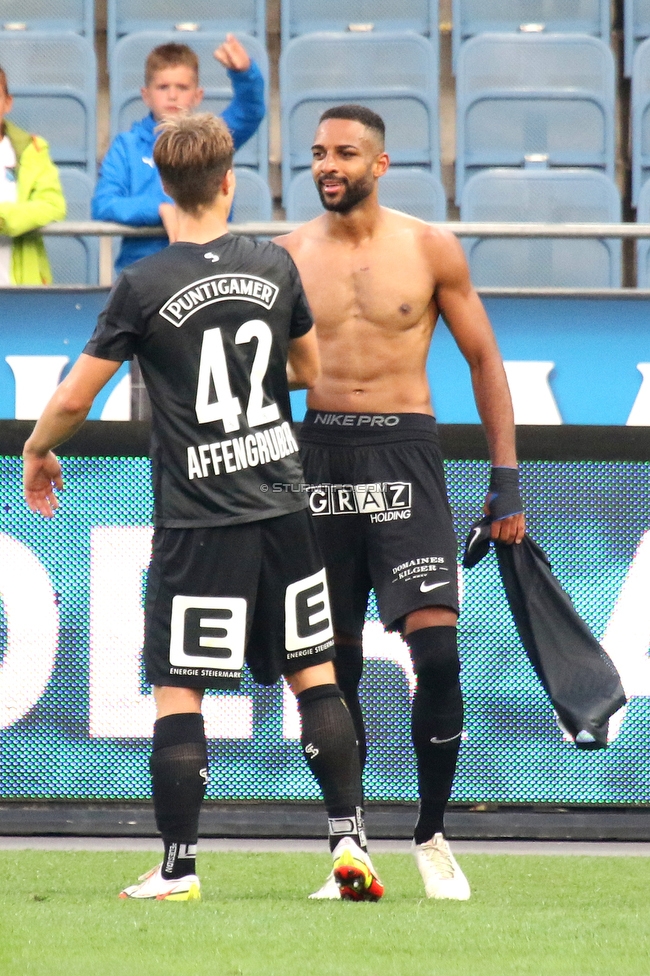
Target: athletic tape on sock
{"points": [[353, 826]]}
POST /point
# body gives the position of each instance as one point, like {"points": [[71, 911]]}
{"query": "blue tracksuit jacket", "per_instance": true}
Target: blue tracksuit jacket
{"points": [[129, 190]]}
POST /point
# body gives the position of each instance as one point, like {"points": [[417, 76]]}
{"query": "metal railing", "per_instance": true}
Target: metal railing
{"points": [[107, 229], [272, 228]]}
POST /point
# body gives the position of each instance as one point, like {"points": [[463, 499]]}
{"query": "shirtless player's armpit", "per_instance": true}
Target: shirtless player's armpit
{"points": [[377, 282]]}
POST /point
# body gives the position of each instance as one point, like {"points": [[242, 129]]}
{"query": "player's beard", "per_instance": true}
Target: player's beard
{"points": [[354, 193]]}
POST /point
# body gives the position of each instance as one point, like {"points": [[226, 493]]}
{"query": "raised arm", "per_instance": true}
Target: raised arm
{"points": [[467, 321], [247, 108]]}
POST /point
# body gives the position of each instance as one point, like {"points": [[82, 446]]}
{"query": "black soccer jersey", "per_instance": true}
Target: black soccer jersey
{"points": [[210, 325]]}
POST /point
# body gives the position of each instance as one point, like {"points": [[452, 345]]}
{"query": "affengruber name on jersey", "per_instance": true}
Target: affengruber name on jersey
{"points": [[237, 453]]}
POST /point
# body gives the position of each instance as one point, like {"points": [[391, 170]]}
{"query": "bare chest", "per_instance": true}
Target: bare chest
{"points": [[390, 288]]}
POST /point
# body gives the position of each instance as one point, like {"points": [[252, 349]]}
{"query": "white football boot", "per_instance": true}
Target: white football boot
{"points": [[329, 890], [440, 871], [154, 886]]}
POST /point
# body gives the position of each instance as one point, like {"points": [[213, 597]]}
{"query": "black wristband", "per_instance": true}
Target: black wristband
{"points": [[504, 496]]}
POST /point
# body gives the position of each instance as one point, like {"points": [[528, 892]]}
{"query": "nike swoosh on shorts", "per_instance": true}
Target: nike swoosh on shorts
{"points": [[434, 586]]}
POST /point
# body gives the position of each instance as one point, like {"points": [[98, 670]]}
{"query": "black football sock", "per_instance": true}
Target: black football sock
{"points": [[329, 745], [436, 723], [179, 770], [348, 665]]}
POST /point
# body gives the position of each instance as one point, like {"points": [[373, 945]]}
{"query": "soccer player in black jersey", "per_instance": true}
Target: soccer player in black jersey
{"points": [[221, 328]]}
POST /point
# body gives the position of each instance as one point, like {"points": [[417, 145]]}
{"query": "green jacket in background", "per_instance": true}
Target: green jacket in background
{"points": [[39, 201]]}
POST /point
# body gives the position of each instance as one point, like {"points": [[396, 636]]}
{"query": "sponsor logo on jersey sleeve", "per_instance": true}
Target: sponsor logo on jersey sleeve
{"points": [[218, 288]]}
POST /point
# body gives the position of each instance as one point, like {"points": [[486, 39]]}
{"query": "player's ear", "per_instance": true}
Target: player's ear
{"points": [[229, 183], [381, 164], [198, 97]]}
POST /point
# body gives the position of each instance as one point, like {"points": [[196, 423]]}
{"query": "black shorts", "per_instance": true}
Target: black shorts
{"points": [[377, 491], [219, 596]]}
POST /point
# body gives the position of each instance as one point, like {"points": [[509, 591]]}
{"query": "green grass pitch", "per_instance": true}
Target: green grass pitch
{"points": [[534, 916]]}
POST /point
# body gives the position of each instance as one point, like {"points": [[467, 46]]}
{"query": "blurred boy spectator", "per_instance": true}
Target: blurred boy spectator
{"points": [[30, 197], [129, 190]]}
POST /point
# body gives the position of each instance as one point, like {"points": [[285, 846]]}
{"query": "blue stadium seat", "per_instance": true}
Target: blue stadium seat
{"points": [[544, 196], [236, 16], [252, 198], [309, 16], [75, 260], [413, 191], [396, 75], [522, 94], [472, 17], [127, 78], [640, 121], [53, 78], [77, 16], [643, 245], [636, 20]]}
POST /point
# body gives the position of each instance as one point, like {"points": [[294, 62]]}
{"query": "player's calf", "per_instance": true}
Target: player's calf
{"points": [[436, 722]]}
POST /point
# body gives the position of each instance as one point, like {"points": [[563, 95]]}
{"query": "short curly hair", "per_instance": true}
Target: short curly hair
{"points": [[358, 113]]}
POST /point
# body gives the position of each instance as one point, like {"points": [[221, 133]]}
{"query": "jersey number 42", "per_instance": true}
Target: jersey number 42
{"points": [[213, 373]]}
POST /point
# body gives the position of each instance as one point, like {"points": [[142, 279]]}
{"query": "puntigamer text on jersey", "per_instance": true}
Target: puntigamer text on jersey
{"points": [[218, 288]]}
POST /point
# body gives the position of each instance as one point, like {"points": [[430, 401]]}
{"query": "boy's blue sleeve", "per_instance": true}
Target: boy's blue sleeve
{"points": [[247, 108], [113, 198]]}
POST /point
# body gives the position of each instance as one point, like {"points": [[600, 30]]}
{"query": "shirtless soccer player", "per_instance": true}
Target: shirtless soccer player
{"points": [[376, 281], [220, 326]]}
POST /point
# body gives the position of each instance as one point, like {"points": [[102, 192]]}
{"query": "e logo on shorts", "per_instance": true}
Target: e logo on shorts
{"points": [[208, 632], [307, 616]]}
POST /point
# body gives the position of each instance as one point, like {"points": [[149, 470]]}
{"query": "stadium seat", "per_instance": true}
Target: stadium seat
{"points": [[252, 198], [636, 20], [396, 75], [127, 78], [413, 191], [77, 16], [472, 17], [544, 196], [643, 244], [53, 78], [521, 94], [75, 260], [236, 16], [309, 16], [640, 119]]}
